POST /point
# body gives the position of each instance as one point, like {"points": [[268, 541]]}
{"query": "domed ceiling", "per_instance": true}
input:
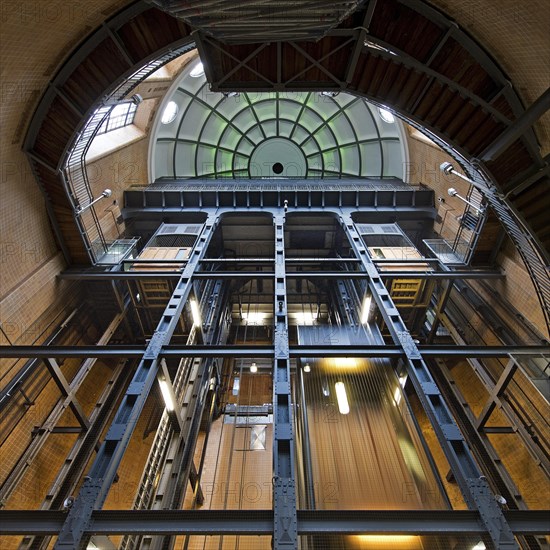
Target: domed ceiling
{"points": [[203, 134]]}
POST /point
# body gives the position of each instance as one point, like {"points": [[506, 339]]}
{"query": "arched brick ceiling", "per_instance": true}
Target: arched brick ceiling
{"points": [[439, 79], [516, 34]]}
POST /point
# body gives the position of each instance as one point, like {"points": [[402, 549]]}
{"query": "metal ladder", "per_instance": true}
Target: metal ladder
{"points": [[466, 238]]}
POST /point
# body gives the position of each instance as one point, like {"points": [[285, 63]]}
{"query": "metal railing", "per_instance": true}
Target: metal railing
{"points": [[74, 173], [281, 184], [461, 248], [529, 250]]}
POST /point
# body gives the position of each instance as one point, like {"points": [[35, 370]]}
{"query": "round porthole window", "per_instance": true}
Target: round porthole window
{"points": [[197, 70], [277, 168], [386, 116], [170, 113]]}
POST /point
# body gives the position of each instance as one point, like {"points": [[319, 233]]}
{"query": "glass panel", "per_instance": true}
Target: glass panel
{"points": [[365, 451]]}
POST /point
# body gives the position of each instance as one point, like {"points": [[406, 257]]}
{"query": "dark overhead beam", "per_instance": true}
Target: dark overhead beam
{"points": [[517, 128], [267, 351], [521, 184], [260, 522], [169, 275]]}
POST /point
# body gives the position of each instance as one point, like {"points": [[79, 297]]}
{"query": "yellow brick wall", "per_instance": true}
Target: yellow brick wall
{"points": [[516, 287], [423, 167], [29, 57], [118, 171]]}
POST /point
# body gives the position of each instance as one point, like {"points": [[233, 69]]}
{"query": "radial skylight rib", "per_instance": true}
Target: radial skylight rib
{"points": [[330, 134]]}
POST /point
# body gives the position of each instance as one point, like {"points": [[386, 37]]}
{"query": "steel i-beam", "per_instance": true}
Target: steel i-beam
{"points": [[473, 485], [97, 483], [285, 523]]}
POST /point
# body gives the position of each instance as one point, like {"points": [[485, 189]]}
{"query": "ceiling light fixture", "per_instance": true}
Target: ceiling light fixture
{"points": [[365, 312], [307, 368], [254, 317], [387, 541], [166, 395], [253, 368], [398, 390], [304, 318]]}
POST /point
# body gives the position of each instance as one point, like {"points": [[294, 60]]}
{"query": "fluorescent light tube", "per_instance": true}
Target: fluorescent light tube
{"points": [[167, 396], [365, 312], [196, 313], [342, 397]]}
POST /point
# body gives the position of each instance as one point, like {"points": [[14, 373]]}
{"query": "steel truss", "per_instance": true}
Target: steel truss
{"points": [[171, 275], [473, 485], [97, 483], [285, 525], [284, 522]]}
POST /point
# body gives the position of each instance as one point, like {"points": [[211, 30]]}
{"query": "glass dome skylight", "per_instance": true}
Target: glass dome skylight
{"points": [[272, 135]]}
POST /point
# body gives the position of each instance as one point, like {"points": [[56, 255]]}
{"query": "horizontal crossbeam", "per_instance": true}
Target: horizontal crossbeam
{"points": [[267, 351], [174, 275], [260, 522]]}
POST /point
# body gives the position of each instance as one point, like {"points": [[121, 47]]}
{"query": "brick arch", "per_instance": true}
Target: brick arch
{"points": [[417, 61]]}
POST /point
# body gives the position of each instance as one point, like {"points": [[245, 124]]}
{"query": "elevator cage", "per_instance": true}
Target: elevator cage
{"points": [[302, 403]]}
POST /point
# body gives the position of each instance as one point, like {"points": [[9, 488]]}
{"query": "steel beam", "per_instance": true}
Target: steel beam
{"points": [[523, 426], [343, 275], [267, 351], [75, 462], [474, 487], [497, 391], [481, 446], [71, 351], [285, 524], [483, 351], [50, 424], [445, 294], [16, 383], [97, 483], [260, 522], [67, 392], [517, 128]]}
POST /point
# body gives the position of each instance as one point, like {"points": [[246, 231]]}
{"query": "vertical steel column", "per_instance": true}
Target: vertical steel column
{"points": [[473, 485], [96, 485], [285, 528], [306, 448]]}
